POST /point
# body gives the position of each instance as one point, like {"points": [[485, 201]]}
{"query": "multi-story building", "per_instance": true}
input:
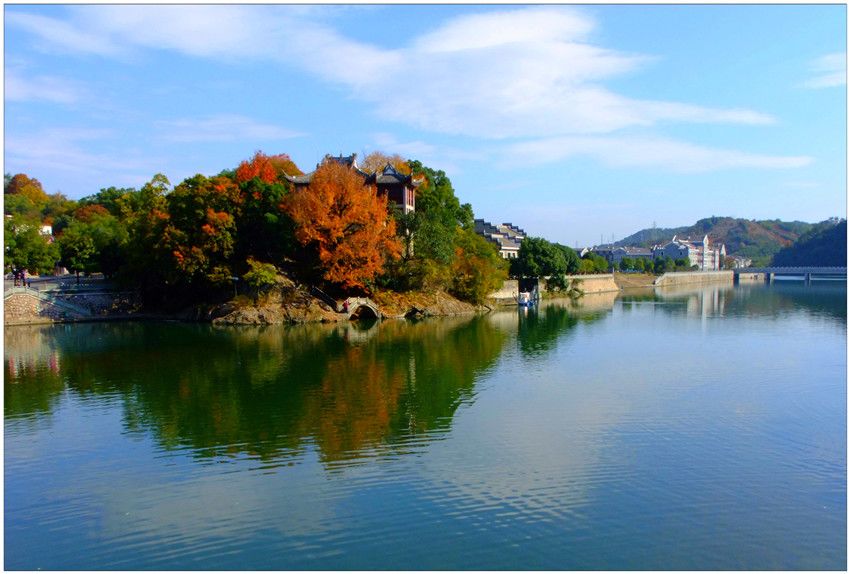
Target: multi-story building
{"points": [[506, 236], [699, 252]]}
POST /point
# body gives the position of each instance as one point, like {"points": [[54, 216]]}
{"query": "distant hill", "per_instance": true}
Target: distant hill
{"points": [[757, 240], [823, 245]]}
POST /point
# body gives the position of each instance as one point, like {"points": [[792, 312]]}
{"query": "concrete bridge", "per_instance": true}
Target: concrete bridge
{"points": [[360, 308], [804, 273]]}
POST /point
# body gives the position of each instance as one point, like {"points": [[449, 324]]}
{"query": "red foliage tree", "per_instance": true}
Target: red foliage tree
{"points": [[88, 212], [268, 168]]}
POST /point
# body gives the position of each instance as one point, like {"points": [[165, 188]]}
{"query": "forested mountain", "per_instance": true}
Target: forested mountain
{"points": [[757, 240], [823, 245]]}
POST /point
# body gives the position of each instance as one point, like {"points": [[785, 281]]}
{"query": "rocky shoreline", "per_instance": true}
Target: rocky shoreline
{"points": [[287, 303]]}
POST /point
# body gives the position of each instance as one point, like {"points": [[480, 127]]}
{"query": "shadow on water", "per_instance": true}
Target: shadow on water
{"points": [[352, 389]]}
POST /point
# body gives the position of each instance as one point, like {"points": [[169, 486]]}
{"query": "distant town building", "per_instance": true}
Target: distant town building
{"points": [[740, 262], [616, 253], [400, 189], [698, 252], [507, 237]]}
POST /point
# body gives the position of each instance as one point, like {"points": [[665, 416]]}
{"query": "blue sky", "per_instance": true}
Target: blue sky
{"points": [[574, 122]]}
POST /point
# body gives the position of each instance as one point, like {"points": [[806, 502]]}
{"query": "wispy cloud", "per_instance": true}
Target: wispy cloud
{"points": [[19, 88], [530, 73], [60, 36], [646, 152], [221, 128], [63, 150], [829, 71], [526, 72]]}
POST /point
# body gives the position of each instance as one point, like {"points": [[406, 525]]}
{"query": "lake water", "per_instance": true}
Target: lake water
{"points": [[688, 429]]}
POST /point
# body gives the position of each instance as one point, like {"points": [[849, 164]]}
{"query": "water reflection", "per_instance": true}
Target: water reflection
{"points": [[605, 434], [260, 392], [826, 300]]}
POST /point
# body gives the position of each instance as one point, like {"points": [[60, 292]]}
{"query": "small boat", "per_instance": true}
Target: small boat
{"points": [[525, 299]]}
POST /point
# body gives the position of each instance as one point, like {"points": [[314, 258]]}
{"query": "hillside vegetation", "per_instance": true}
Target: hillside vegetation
{"points": [[824, 245], [757, 240]]}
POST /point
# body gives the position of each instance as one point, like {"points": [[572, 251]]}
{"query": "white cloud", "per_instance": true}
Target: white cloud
{"points": [[645, 152], [45, 88], [61, 149], [489, 30], [526, 72], [529, 73], [830, 71], [221, 128], [64, 37]]}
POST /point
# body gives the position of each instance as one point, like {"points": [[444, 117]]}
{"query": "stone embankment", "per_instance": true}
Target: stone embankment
{"points": [[695, 278], [600, 283], [29, 306], [579, 284]]}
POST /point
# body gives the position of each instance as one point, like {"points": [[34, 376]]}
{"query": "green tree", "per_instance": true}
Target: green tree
{"points": [[594, 263], [571, 258], [265, 230], [538, 258], [26, 248], [260, 276], [144, 213], [627, 264], [436, 193], [664, 264], [78, 250], [477, 270], [199, 233]]}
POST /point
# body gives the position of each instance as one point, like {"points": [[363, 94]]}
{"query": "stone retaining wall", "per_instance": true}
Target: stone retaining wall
{"points": [[599, 283], [507, 294], [24, 309], [695, 278]]}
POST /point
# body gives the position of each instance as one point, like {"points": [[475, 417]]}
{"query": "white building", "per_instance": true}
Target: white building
{"points": [[699, 252]]}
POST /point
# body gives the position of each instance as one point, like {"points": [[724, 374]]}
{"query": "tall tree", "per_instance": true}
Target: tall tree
{"points": [[78, 249], [437, 194], [200, 232], [345, 224]]}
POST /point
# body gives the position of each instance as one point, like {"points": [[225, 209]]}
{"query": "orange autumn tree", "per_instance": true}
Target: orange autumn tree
{"points": [[346, 223]]}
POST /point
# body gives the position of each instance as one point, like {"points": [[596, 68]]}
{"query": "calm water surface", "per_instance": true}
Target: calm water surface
{"points": [[694, 429]]}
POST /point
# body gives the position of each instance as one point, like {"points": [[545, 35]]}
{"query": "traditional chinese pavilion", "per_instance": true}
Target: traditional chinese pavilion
{"points": [[400, 189]]}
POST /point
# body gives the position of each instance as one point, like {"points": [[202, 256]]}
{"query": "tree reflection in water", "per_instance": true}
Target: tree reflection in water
{"points": [[264, 393]]}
